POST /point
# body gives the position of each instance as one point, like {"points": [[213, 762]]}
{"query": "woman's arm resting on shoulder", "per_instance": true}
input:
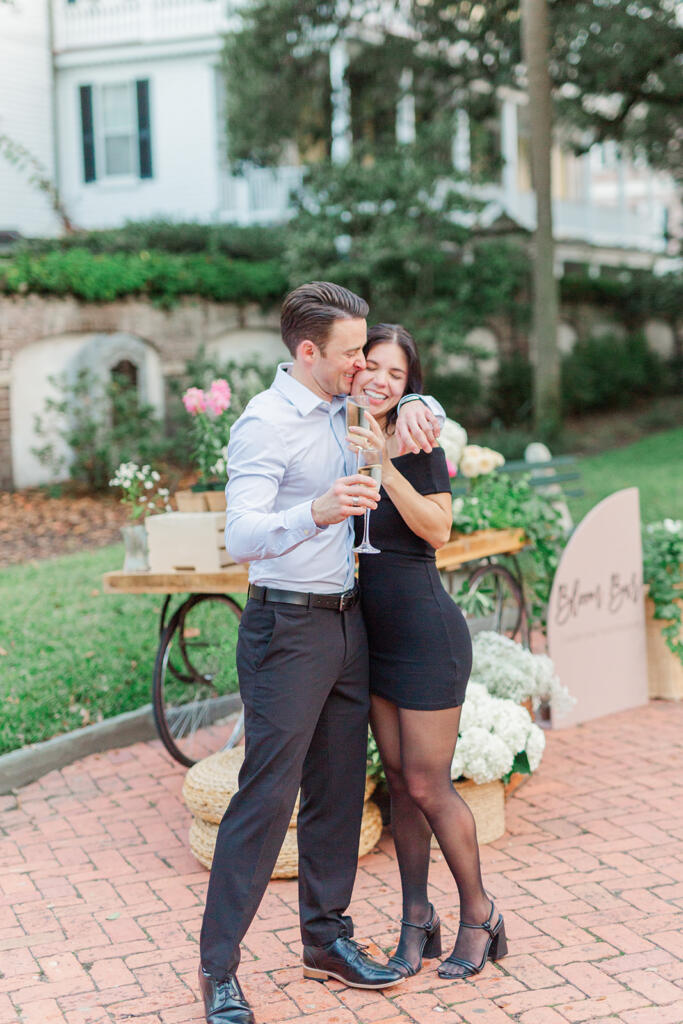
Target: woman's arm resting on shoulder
{"points": [[419, 422]]}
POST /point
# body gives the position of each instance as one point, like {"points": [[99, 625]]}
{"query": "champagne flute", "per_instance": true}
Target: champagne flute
{"points": [[355, 412], [369, 464]]}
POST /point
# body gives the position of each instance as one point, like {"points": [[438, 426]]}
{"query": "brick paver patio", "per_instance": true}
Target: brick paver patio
{"points": [[102, 899]]}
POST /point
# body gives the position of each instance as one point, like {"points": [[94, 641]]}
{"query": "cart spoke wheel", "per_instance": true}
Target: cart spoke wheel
{"points": [[502, 600], [195, 678]]}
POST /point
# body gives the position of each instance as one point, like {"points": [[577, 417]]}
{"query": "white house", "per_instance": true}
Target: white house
{"points": [[27, 115], [121, 102]]}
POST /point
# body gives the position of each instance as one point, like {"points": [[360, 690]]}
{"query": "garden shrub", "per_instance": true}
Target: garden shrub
{"points": [[608, 372], [459, 393], [510, 396], [250, 243]]}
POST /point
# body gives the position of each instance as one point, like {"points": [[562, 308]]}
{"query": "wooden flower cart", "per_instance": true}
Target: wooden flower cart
{"points": [[194, 672]]}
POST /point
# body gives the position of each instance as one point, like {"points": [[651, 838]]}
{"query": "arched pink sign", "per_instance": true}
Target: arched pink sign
{"points": [[596, 615]]}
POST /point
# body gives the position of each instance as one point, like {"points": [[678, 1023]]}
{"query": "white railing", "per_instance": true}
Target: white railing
{"points": [[92, 23], [595, 223], [260, 195], [263, 195]]}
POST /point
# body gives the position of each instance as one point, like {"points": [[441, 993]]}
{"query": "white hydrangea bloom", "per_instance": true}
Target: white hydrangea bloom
{"points": [[453, 439], [484, 755], [535, 745], [512, 723], [510, 671], [502, 666]]}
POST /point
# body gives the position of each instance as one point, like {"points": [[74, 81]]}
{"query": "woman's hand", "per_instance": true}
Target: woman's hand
{"points": [[373, 438], [361, 437]]}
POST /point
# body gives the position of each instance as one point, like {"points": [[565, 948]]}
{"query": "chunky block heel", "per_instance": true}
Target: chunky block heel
{"points": [[499, 946], [433, 944]]}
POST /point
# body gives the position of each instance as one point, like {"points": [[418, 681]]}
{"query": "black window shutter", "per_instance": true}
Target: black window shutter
{"points": [[144, 132], [88, 133]]}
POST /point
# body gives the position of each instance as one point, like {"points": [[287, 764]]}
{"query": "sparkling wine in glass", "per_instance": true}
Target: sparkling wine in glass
{"points": [[369, 464], [355, 412]]}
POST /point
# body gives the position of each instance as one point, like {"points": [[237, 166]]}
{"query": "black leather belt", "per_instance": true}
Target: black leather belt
{"points": [[334, 602]]}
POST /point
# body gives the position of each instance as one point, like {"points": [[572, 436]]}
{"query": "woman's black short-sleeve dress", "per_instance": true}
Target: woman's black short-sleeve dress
{"points": [[420, 646]]}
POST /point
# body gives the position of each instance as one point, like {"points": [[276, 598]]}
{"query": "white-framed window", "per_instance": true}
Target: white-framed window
{"points": [[116, 130]]}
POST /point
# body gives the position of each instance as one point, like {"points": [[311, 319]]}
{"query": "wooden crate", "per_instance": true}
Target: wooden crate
{"points": [[187, 542], [200, 501]]}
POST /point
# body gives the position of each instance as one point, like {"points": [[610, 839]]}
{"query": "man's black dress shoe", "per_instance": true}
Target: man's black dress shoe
{"points": [[224, 1001], [346, 961]]}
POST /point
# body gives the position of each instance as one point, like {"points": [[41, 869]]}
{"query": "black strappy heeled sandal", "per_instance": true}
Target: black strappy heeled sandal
{"points": [[430, 945], [496, 947]]}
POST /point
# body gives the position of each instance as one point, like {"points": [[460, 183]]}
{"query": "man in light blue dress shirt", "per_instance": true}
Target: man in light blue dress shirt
{"points": [[302, 652]]}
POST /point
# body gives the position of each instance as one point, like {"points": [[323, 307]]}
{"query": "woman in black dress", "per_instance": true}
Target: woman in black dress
{"points": [[420, 660]]}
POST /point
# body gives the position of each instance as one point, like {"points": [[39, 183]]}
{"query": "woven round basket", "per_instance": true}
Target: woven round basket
{"points": [[487, 802], [203, 841], [210, 784]]}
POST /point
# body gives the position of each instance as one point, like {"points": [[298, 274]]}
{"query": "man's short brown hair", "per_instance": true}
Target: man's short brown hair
{"points": [[310, 310]]}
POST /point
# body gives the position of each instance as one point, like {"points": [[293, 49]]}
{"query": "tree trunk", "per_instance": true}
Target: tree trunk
{"points": [[544, 351]]}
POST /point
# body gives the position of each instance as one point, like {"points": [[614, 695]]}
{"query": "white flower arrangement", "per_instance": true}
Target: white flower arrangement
{"points": [[478, 461], [140, 490], [453, 439], [495, 738], [220, 467], [510, 671]]}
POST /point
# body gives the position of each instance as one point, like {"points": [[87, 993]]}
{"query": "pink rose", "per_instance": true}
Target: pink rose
{"points": [[452, 468], [194, 401], [219, 396]]}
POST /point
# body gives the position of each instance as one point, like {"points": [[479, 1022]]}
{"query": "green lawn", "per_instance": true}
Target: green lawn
{"points": [[70, 654], [654, 465]]}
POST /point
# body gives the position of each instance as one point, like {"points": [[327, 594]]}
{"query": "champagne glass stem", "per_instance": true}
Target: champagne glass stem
{"points": [[366, 527]]}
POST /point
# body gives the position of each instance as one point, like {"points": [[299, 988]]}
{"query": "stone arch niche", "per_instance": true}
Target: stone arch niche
{"points": [[103, 354], [66, 355]]}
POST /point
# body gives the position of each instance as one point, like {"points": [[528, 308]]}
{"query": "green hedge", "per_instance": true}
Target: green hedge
{"points": [[251, 243], [633, 296], [162, 276], [600, 373]]}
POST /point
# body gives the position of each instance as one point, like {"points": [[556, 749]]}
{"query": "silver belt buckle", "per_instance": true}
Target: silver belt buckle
{"points": [[341, 601]]}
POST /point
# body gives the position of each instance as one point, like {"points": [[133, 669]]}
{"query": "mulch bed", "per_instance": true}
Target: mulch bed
{"points": [[34, 525]]}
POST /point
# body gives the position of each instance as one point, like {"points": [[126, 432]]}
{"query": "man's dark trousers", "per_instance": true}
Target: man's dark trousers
{"points": [[303, 676]]}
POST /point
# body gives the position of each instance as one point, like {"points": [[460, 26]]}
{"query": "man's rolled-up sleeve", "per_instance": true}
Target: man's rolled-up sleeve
{"points": [[257, 462]]}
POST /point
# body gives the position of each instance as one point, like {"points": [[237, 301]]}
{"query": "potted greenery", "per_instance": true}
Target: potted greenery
{"points": [[663, 576], [142, 496]]}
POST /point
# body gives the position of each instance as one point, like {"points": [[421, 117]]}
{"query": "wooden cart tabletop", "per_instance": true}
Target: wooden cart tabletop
{"points": [[234, 579]]}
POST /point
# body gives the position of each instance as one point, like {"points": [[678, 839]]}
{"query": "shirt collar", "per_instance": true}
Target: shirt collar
{"points": [[301, 397]]}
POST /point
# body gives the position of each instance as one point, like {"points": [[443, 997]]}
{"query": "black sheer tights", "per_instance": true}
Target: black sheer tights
{"points": [[417, 750]]}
